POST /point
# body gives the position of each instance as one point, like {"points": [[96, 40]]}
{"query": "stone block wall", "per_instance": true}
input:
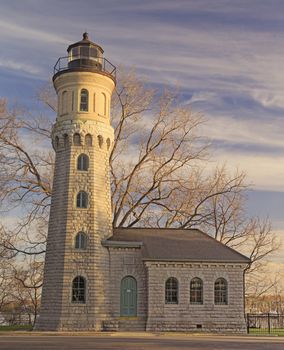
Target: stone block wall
{"points": [[64, 262], [189, 317], [127, 262]]}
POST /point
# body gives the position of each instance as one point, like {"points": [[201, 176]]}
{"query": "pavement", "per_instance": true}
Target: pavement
{"points": [[134, 341]]}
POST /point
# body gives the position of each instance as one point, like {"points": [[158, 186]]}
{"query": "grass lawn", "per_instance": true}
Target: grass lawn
{"points": [[264, 331], [16, 328]]}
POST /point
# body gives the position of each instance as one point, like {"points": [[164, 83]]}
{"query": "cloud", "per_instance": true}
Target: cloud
{"points": [[18, 66], [268, 99], [14, 31]]}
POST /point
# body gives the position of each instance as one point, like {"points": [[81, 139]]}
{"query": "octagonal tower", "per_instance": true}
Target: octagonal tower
{"points": [[76, 268]]}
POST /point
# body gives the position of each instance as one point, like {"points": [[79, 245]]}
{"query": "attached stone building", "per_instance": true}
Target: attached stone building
{"points": [[99, 278]]}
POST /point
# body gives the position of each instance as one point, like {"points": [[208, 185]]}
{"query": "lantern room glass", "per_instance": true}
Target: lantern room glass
{"points": [[86, 52]]}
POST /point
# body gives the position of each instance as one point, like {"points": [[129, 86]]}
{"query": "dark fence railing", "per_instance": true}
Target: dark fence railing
{"points": [[98, 63], [269, 323]]}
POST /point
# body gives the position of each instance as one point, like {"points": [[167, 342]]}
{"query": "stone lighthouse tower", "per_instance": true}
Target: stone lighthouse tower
{"points": [[76, 269]]}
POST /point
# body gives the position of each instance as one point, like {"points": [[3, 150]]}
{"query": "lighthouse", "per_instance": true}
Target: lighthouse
{"points": [[76, 272]]}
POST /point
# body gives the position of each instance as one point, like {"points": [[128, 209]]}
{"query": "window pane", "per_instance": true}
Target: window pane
{"points": [[75, 52], [84, 51], [81, 241], [82, 200], [171, 291], [84, 100], [83, 162], [196, 291], [88, 140], [221, 291], [78, 290], [77, 140]]}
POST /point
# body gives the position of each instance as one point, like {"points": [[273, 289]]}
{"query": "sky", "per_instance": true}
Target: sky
{"points": [[225, 56]]}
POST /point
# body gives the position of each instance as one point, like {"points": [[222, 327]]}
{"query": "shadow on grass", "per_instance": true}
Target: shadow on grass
{"points": [[16, 328]]}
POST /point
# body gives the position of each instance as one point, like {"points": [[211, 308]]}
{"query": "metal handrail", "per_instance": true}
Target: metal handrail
{"points": [[63, 64]]}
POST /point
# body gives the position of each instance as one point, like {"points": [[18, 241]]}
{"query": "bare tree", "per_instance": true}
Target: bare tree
{"points": [[159, 174]]}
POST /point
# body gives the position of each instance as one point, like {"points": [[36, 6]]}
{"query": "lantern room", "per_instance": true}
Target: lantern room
{"points": [[85, 53]]}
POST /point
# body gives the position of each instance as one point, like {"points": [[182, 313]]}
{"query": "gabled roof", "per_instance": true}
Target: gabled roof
{"points": [[175, 245]]}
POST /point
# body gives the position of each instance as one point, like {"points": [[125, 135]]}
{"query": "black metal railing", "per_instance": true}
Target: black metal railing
{"points": [[269, 323], [98, 63]]}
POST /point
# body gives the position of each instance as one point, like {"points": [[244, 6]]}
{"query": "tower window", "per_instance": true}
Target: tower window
{"points": [[77, 139], [88, 140], [56, 142], [108, 143], [221, 291], [84, 100], [171, 291], [196, 291], [81, 241], [83, 162], [82, 200], [79, 290], [66, 140], [100, 140]]}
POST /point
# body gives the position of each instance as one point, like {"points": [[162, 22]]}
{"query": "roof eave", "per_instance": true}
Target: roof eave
{"points": [[198, 261]]}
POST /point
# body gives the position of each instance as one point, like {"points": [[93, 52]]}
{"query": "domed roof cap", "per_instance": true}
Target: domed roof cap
{"points": [[85, 42]]}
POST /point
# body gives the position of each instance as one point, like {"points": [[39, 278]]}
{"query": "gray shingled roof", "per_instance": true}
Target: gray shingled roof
{"points": [[175, 245]]}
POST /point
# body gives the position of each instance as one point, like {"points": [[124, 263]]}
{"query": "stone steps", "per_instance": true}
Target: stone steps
{"points": [[125, 324]]}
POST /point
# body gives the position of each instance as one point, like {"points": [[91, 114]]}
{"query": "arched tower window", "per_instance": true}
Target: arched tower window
{"points": [[82, 200], [104, 104], [84, 100], [100, 140], [83, 162], [108, 143], [81, 241], [79, 290], [171, 291], [88, 140], [221, 292], [77, 139], [196, 291], [66, 140], [56, 142], [64, 102]]}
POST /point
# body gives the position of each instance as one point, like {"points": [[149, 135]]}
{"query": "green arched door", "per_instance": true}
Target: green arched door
{"points": [[128, 296]]}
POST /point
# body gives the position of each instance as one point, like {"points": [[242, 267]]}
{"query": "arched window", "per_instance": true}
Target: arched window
{"points": [[76, 139], [84, 100], [221, 291], [196, 291], [82, 200], [88, 140], [171, 291], [56, 142], [108, 143], [104, 104], [66, 140], [79, 290], [83, 162], [64, 102], [100, 140], [81, 241]]}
